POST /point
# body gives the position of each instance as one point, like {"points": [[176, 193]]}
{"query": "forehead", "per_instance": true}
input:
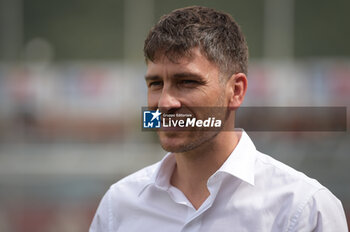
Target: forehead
{"points": [[195, 62]]}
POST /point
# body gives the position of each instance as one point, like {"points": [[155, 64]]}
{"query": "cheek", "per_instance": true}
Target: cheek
{"points": [[153, 98], [206, 97]]}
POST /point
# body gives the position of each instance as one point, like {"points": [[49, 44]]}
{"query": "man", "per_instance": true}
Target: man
{"points": [[213, 180]]}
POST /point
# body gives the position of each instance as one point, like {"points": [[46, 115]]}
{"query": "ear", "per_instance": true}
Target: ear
{"points": [[237, 85]]}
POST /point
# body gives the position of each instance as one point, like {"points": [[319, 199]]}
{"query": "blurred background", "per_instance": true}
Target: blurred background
{"points": [[72, 87]]}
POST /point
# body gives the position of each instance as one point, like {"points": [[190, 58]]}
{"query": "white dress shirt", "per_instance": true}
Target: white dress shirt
{"points": [[250, 192]]}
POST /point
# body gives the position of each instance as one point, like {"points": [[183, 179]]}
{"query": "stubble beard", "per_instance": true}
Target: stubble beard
{"points": [[196, 138]]}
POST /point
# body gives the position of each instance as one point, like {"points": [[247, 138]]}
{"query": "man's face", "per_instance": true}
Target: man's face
{"points": [[181, 87]]}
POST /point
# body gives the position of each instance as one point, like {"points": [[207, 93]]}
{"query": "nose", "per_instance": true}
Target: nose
{"points": [[168, 100]]}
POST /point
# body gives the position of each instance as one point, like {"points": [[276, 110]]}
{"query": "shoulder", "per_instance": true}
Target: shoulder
{"points": [[302, 199], [279, 173], [283, 182]]}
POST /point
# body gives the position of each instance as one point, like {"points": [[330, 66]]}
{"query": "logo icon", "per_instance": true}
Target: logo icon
{"points": [[151, 119]]}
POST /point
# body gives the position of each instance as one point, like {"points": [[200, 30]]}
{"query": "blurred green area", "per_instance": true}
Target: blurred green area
{"points": [[322, 28], [78, 29], [90, 30]]}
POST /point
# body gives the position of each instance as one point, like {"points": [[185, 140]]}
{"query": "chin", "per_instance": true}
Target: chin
{"points": [[177, 148], [175, 141], [171, 144], [179, 142]]}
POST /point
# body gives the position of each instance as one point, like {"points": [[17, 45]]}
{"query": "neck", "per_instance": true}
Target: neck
{"points": [[193, 168]]}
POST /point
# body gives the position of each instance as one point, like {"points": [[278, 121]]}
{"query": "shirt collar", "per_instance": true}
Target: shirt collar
{"points": [[240, 164], [241, 161], [162, 173], [161, 177]]}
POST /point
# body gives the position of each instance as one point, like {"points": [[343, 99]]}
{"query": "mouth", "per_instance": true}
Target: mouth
{"points": [[171, 129]]}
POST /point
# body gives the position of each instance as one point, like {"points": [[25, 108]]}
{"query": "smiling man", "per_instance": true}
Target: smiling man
{"points": [[211, 180]]}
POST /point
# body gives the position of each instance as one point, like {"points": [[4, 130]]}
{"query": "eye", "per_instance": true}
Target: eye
{"points": [[155, 84], [189, 83]]}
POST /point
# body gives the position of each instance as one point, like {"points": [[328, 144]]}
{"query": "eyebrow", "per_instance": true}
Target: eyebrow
{"points": [[188, 74], [152, 77], [176, 75]]}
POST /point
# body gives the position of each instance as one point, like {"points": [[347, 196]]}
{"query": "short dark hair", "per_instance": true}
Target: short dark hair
{"points": [[216, 34]]}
